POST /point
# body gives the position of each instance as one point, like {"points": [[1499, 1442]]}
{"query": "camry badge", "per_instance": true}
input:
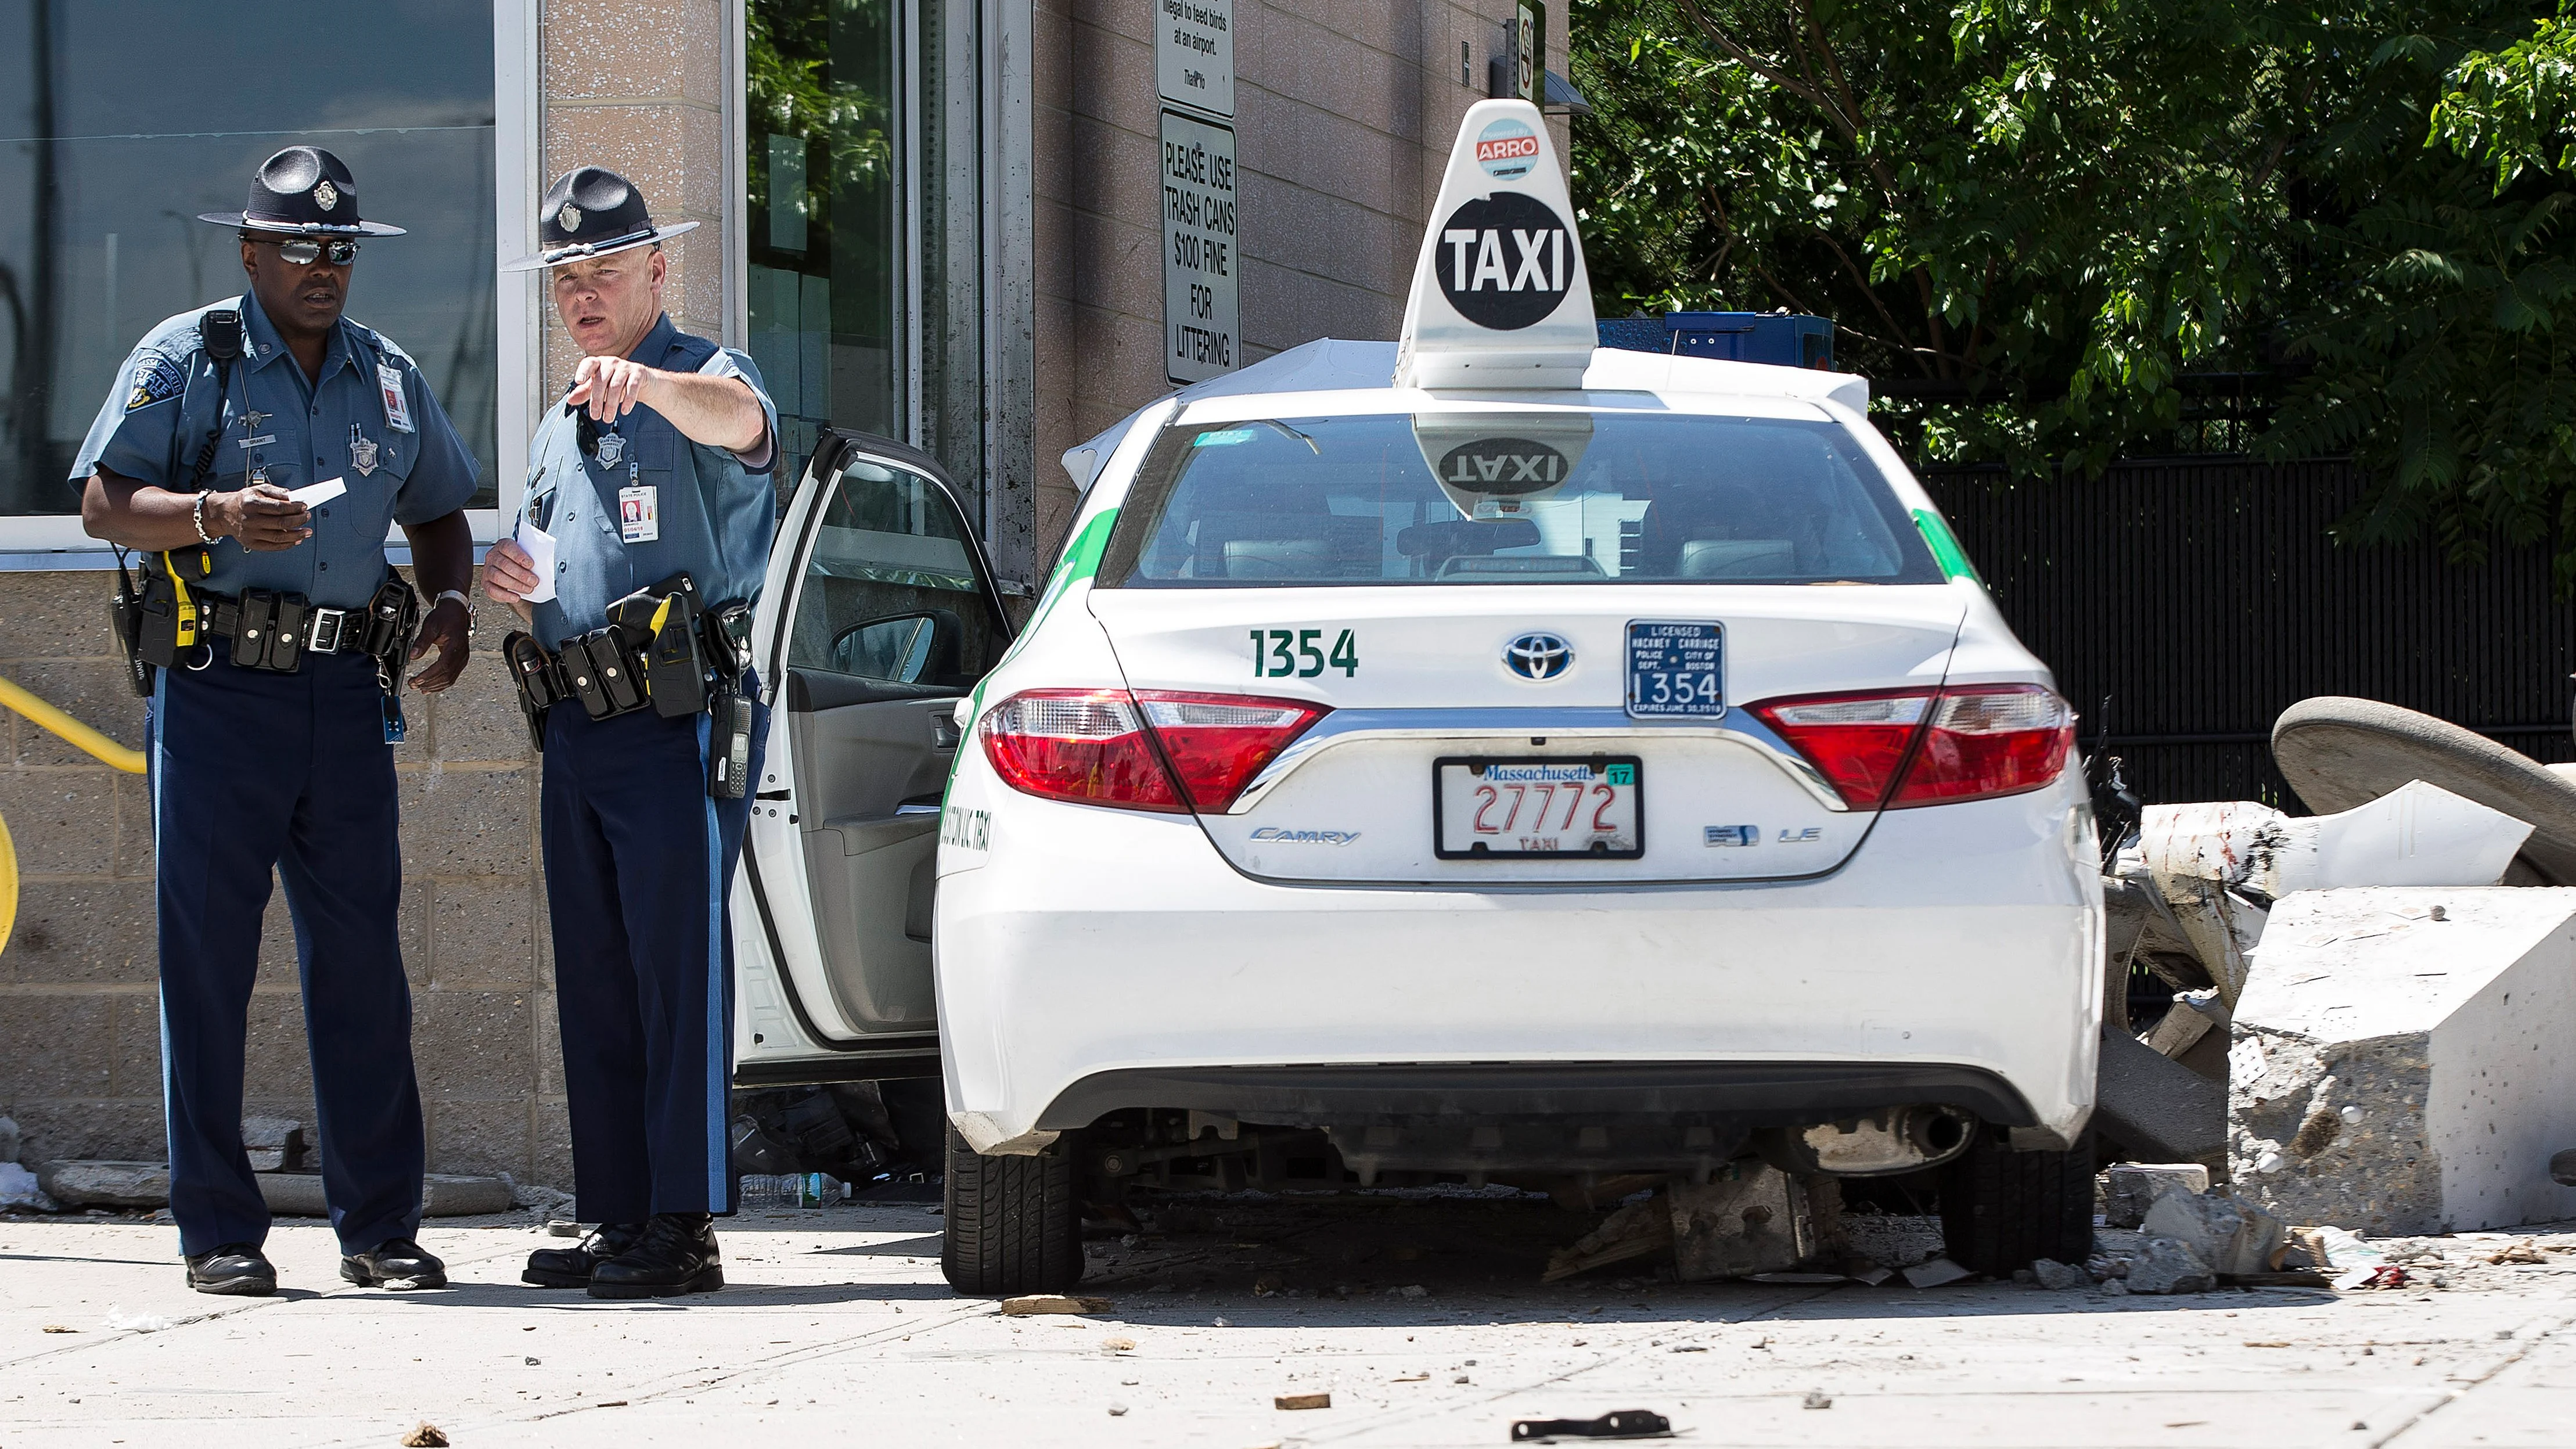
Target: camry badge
{"points": [[1538, 656]]}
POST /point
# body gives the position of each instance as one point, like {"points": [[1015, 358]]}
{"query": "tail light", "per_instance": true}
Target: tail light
{"points": [[1965, 742], [1151, 750], [1086, 745], [1218, 742]]}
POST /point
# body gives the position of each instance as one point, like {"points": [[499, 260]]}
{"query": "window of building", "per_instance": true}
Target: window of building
{"points": [[865, 268], [121, 120]]}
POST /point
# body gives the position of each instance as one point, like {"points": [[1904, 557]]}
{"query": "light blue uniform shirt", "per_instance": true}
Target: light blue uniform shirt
{"points": [[712, 515], [297, 432]]}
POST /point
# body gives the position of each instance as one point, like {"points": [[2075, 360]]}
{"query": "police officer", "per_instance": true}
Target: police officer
{"points": [[275, 754], [656, 464]]}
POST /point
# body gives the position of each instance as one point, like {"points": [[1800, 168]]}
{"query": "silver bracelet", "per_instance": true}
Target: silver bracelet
{"points": [[197, 515]]}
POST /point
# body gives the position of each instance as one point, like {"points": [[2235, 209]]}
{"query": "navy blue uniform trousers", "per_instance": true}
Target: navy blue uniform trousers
{"points": [[639, 863], [252, 770]]}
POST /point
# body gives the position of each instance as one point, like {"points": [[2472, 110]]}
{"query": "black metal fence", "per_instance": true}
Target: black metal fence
{"points": [[2184, 603]]}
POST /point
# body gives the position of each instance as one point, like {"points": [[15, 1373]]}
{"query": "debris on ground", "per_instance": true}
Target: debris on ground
{"points": [[2234, 1238], [1030, 1304], [2130, 1188], [2169, 1265], [2058, 1277], [426, 1436], [19, 1188], [1302, 1401], [1816, 1400], [1624, 1424], [1641, 1229], [1934, 1274], [1743, 1220]]}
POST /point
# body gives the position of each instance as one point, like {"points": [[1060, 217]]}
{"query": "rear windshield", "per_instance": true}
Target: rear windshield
{"points": [[1520, 498]]}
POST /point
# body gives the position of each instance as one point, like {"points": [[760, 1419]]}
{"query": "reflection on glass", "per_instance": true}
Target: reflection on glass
{"points": [[890, 591], [865, 266], [102, 174]]}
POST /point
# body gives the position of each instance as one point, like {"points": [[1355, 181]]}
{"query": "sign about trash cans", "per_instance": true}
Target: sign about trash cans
{"points": [[1200, 258], [1194, 54]]}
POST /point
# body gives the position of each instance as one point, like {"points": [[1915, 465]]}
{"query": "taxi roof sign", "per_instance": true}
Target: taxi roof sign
{"points": [[1500, 295]]}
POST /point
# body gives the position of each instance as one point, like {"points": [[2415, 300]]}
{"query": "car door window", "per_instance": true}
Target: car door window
{"points": [[890, 592]]}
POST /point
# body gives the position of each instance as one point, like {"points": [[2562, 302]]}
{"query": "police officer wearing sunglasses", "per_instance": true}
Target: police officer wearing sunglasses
{"points": [[271, 726], [650, 486]]}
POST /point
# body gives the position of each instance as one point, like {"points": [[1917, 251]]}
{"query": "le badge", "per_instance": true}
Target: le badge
{"points": [[397, 402], [639, 516]]}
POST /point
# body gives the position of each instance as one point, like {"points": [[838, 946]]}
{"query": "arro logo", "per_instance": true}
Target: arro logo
{"points": [[1507, 150]]}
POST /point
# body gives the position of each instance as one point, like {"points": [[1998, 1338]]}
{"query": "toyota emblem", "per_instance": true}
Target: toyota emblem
{"points": [[1538, 656]]}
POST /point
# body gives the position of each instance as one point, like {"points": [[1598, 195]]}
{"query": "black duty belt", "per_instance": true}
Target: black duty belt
{"points": [[661, 651]]}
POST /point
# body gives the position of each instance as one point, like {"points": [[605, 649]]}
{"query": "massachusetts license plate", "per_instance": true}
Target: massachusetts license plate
{"points": [[1676, 670], [1589, 807]]}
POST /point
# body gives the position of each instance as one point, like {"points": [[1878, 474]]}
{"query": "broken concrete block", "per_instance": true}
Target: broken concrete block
{"points": [[2338, 753], [274, 1143], [19, 1188], [2169, 1266], [2181, 1028], [1033, 1304], [106, 1184], [2130, 1188], [2402, 1071], [1639, 1230], [2058, 1277], [2234, 1238], [1743, 1220], [296, 1194], [8, 1140], [2154, 1106]]}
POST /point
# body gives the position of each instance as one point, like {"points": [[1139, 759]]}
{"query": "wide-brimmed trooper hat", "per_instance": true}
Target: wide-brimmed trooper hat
{"points": [[589, 212], [302, 191]]}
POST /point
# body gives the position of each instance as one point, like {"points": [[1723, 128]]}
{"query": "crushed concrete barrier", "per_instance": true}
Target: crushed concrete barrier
{"points": [[1743, 1221], [2338, 752], [2168, 1265], [2398, 1062], [2156, 1108]]}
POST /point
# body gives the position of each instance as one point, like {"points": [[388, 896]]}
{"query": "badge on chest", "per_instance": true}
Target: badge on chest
{"points": [[639, 517]]}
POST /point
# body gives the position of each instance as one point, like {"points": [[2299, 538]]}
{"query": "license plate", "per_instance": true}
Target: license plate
{"points": [[1589, 807], [1676, 669]]}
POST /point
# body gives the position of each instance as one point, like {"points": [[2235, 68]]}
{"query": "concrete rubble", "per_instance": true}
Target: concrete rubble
{"points": [[2130, 1188]]}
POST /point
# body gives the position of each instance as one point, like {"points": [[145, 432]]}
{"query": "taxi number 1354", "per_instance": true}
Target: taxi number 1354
{"points": [[1300, 653]]}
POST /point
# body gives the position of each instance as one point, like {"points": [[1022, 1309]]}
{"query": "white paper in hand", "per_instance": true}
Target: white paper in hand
{"points": [[539, 546], [314, 495]]}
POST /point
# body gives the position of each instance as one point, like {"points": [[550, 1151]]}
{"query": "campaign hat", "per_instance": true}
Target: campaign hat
{"points": [[302, 191], [589, 212]]}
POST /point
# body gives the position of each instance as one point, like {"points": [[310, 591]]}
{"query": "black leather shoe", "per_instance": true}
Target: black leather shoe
{"points": [[394, 1263], [238, 1269], [570, 1267], [676, 1255]]}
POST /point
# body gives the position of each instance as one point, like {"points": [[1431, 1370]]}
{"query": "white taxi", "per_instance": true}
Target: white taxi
{"points": [[1481, 757]]}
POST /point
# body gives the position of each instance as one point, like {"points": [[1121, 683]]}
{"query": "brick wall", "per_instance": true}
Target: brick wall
{"points": [[79, 1019], [1344, 114]]}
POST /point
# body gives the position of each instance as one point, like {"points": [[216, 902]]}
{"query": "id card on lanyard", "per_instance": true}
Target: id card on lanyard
{"points": [[389, 386], [639, 514]]}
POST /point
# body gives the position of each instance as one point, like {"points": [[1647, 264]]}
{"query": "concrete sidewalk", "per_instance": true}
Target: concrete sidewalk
{"points": [[838, 1329]]}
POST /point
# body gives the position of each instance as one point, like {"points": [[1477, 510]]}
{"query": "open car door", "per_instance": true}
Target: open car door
{"points": [[879, 612]]}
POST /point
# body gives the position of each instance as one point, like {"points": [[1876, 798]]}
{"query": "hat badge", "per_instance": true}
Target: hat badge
{"points": [[325, 195], [569, 218]]}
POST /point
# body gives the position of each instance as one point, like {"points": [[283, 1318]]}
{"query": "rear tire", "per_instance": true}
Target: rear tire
{"points": [[1014, 1224], [2001, 1208]]}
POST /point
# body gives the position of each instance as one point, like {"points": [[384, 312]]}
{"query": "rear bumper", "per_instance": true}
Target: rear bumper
{"points": [[1098, 960]]}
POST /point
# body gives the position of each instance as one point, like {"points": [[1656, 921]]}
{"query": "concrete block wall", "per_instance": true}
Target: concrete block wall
{"points": [[1344, 113], [80, 1062]]}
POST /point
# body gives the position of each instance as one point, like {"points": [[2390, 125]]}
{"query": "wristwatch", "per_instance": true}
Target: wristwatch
{"points": [[459, 596]]}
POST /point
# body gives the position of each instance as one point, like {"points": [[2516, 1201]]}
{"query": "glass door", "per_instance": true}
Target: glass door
{"points": [[864, 268]]}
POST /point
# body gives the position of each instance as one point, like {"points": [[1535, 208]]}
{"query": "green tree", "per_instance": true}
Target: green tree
{"points": [[2031, 218]]}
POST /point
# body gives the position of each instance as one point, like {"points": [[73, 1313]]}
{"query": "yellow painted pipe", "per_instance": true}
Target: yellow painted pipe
{"points": [[8, 887], [99, 746]]}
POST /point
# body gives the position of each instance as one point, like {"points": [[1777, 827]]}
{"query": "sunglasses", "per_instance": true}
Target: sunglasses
{"points": [[306, 253]]}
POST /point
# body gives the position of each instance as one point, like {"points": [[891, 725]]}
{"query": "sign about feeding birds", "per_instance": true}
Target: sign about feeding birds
{"points": [[1500, 296], [1194, 54], [1200, 260]]}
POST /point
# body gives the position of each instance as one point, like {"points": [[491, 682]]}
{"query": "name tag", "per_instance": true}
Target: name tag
{"points": [[397, 403], [639, 518]]}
